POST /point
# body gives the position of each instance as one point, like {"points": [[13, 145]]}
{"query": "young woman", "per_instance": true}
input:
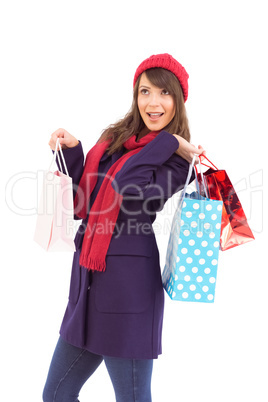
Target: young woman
{"points": [[116, 299]]}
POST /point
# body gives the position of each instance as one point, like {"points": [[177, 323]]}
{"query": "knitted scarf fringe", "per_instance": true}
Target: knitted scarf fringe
{"points": [[92, 263]]}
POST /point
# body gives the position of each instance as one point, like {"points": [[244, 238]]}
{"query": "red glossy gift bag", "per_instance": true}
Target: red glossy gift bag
{"points": [[234, 226]]}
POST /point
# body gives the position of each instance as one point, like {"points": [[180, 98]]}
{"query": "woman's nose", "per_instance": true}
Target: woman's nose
{"points": [[154, 100]]}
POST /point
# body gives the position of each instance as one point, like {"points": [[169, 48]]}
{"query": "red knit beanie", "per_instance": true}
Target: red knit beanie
{"points": [[169, 63]]}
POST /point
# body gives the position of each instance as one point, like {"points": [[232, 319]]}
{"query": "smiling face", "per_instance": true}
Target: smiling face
{"points": [[156, 105]]}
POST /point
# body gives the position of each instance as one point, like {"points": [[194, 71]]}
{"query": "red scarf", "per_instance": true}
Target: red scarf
{"points": [[96, 240]]}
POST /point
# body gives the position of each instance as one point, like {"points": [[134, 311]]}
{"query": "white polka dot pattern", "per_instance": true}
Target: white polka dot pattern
{"points": [[192, 256]]}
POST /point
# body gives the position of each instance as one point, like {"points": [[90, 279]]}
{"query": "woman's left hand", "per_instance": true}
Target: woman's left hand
{"points": [[187, 151]]}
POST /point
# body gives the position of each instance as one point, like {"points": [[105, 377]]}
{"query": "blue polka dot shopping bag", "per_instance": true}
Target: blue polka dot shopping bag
{"points": [[190, 270]]}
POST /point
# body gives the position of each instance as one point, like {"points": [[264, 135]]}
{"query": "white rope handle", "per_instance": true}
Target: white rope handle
{"points": [[203, 181], [186, 183], [190, 171], [56, 154]]}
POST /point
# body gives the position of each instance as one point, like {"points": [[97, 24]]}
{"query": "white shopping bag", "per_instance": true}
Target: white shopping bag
{"points": [[55, 210]]}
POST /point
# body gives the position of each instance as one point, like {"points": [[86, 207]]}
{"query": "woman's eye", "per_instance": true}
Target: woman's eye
{"points": [[144, 91], [165, 92]]}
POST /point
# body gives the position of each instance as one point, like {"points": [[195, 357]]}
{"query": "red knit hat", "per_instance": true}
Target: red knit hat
{"points": [[169, 63]]}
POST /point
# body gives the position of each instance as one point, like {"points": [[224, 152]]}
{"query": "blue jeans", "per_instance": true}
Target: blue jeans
{"points": [[71, 367]]}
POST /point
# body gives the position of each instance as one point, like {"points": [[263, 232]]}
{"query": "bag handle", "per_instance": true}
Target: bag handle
{"points": [[190, 171], [191, 167], [203, 156], [56, 155], [202, 178]]}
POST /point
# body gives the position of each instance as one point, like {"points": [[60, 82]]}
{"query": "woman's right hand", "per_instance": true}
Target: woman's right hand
{"points": [[187, 151], [66, 139]]}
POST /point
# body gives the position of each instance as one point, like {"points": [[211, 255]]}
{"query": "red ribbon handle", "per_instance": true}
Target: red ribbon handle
{"points": [[203, 156]]}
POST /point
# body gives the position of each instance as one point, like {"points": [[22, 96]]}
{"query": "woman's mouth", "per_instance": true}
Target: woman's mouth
{"points": [[154, 116]]}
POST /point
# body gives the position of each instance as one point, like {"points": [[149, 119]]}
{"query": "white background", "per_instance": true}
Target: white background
{"points": [[71, 64]]}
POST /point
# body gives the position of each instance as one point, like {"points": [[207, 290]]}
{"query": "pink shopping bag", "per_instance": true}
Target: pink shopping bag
{"points": [[53, 229]]}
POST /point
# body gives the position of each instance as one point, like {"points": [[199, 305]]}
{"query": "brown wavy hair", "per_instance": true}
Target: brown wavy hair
{"points": [[132, 123]]}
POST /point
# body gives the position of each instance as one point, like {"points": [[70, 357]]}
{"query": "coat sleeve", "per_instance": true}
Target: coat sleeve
{"points": [[155, 172]]}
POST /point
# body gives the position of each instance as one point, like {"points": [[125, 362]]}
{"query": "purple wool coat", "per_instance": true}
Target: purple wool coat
{"points": [[119, 312]]}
